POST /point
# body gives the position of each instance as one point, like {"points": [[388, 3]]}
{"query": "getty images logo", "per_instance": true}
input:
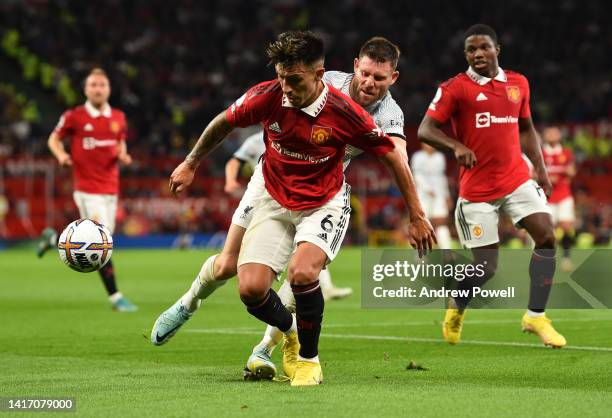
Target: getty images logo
{"points": [[484, 120]]}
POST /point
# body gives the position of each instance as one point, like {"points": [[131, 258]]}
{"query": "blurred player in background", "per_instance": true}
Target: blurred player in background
{"points": [[559, 161], [429, 170], [490, 113], [97, 135], [249, 152], [301, 218], [375, 72]]}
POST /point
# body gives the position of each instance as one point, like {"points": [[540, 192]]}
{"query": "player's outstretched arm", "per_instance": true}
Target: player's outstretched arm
{"points": [[56, 146], [431, 133], [232, 168], [213, 135], [531, 146], [421, 233]]}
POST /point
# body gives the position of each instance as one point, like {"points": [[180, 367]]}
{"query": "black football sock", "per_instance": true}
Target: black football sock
{"points": [[309, 307], [541, 271], [107, 274], [271, 311], [566, 242]]}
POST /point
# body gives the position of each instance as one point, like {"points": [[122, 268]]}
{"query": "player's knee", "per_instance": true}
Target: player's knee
{"points": [[251, 292], [302, 274], [225, 267], [546, 239]]}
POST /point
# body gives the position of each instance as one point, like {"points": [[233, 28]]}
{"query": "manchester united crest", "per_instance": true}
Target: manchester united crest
{"points": [[477, 230], [320, 134], [514, 93], [115, 127]]}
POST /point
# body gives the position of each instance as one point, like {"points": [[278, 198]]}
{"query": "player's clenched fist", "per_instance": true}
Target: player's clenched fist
{"points": [[421, 235], [465, 156], [181, 177]]}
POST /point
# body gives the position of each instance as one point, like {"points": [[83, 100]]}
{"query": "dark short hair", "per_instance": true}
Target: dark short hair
{"points": [[380, 50], [480, 29], [294, 47]]}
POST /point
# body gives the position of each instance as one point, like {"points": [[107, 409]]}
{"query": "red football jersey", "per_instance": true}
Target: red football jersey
{"points": [[302, 164], [94, 139], [484, 114], [557, 160]]}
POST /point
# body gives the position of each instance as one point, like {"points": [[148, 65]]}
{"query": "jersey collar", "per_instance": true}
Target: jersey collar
{"points": [[482, 80], [557, 149], [315, 107], [95, 113]]}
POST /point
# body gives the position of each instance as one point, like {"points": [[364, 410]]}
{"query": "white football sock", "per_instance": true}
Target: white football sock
{"points": [[533, 314], [203, 286], [315, 359], [293, 326], [325, 280], [270, 339], [444, 237], [115, 297], [286, 296]]}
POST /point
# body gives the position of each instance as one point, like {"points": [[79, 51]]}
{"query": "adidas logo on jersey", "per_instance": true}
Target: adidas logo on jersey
{"points": [[481, 97], [323, 236], [275, 127], [88, 127]]}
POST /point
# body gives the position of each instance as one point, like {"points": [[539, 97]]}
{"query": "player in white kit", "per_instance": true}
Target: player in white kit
{"points": [[429, 171]]}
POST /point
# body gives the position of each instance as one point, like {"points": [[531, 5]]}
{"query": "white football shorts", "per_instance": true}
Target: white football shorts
{"points": [[563, 211], [275, 231], [101, 208], [477, 222]]}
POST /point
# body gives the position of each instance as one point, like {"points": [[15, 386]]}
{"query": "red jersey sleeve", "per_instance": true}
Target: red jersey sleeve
{"points": [[253, 106], [525, 108], [65, 126], [444, 103], [124, 128]]}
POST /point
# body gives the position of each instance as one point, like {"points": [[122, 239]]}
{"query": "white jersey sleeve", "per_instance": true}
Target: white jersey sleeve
{"points": [[251, 149]]}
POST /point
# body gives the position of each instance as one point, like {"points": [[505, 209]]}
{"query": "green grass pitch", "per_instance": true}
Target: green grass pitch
{"points": [[60, 338]]}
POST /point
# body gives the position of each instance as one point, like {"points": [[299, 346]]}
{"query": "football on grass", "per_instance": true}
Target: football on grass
{"points": [[85, 245]]}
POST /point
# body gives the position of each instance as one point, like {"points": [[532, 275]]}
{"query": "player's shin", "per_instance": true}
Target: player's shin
{"points": [[271, 311], [309, 305], [203, 286], [541, 271], [107, 274]]}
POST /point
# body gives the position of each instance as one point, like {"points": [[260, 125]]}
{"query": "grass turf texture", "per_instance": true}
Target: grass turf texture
{"points": [[60, 338]]}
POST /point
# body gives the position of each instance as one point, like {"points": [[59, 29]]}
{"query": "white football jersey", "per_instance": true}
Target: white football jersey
{"points": [[429, 172], [385, 112], [251, 149]]}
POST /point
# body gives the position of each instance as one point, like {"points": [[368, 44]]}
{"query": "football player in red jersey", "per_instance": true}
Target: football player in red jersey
{"points": [[559, 161], [97, 135], [307, 125], [488, 108]]}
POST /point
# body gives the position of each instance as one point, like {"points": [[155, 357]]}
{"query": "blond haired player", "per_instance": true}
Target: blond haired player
{"points": [[97, 134]]}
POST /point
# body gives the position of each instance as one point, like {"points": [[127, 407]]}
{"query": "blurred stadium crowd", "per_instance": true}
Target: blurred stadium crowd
{"points": [[174, 65]]}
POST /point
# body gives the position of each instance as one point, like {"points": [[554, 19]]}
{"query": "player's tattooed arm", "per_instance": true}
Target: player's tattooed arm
{"points": [[531, 146], [431, 133], [213, 135], [182, 176]]}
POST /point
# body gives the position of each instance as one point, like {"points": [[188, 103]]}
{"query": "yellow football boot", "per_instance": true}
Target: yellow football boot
{"points": [[542, 327], [453, 322], [290, 349], [307, 374]]}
